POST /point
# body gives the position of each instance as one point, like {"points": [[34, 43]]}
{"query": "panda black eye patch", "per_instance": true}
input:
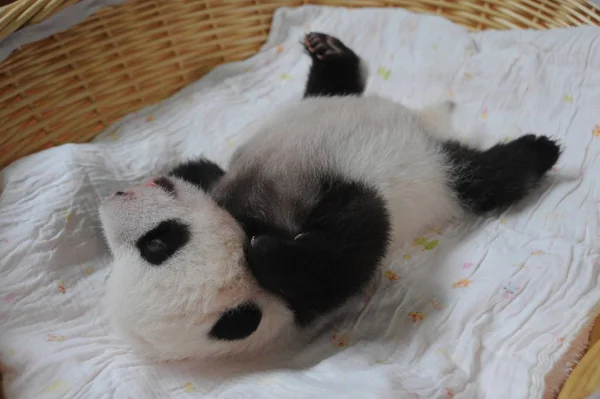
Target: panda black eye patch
{"points": [[162, 242], [237, 323]]}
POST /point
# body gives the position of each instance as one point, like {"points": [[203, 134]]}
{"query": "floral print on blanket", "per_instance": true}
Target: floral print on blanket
{"points": [[340, 339], [188, 387], [462, 283], [425, 243], [416, 317], [384, 72], [484, 113], [55, 338], [58, 387], [437, 303], [390, 275], [510, 290], [9, 298]]}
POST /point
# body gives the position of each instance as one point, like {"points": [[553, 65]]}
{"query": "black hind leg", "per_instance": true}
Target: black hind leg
{"points": [[492, 180], [336, 70]]}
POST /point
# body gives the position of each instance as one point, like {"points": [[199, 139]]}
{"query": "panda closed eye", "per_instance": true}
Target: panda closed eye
{"points": [[162, 242]]}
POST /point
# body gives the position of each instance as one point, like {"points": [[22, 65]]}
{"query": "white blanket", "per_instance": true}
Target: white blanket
{"points": [[475, 309]]}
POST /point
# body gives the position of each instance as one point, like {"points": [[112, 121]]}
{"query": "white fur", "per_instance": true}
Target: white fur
{"points": [[167, 311]]}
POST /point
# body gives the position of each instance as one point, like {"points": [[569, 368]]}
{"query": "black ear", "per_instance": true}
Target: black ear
{"points": [[200, 172], [237, 323]]}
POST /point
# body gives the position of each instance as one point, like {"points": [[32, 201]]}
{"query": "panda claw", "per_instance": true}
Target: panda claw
{"points": [[322, 46]]}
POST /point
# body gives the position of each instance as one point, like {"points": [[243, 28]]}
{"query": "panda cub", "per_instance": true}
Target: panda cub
{"points": [[212, 263]]}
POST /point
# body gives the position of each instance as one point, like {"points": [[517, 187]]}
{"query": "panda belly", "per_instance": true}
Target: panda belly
{"points": [[417, 204], [369, 141]]}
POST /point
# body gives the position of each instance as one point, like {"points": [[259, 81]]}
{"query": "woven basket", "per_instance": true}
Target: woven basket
{"points": [[71, 86]]}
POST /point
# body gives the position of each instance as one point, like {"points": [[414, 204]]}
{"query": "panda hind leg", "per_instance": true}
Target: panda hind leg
{"points": [[336, 70], [496, 178]]}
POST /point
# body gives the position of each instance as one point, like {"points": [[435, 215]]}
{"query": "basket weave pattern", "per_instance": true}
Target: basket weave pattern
{"points": [[28, 12], [69, 87]]}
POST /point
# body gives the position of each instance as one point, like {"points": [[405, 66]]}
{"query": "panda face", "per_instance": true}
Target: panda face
{"points": [[179, 286]]}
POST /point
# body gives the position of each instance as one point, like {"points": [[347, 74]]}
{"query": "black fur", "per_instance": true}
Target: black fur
{"points": [[494, 179], [163, 241], [166, 184], [200, 172], [344, 238], [237, 323], [255, 201], [335, 69]]}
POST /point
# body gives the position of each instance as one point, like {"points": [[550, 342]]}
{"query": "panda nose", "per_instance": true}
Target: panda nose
{"points": [[119, 193]]}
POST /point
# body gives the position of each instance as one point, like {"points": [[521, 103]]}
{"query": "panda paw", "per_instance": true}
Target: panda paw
{"points": [[323, 47], [266, 256], [541, 152]]}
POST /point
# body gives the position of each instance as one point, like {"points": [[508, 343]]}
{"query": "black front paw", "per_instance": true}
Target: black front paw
{"points": [[266, 256]]}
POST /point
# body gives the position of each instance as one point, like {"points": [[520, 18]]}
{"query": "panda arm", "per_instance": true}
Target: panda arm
{"points": [[200, 172], [344, 239], [336, 70]]}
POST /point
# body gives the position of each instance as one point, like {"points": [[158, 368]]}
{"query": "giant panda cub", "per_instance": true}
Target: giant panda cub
{"points": [[211, 263]]}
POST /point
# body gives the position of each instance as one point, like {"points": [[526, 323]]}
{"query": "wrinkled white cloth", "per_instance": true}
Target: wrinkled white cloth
{"points": [[476, 309]]}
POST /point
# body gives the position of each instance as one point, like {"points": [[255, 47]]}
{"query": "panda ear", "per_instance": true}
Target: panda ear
{"points": [[237, 323], [200, 172]]}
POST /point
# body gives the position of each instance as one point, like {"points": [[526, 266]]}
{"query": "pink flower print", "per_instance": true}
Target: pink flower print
{"points": [[61, 287], [509, 291], [437, 303], [340, 340], [10, 297]]}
